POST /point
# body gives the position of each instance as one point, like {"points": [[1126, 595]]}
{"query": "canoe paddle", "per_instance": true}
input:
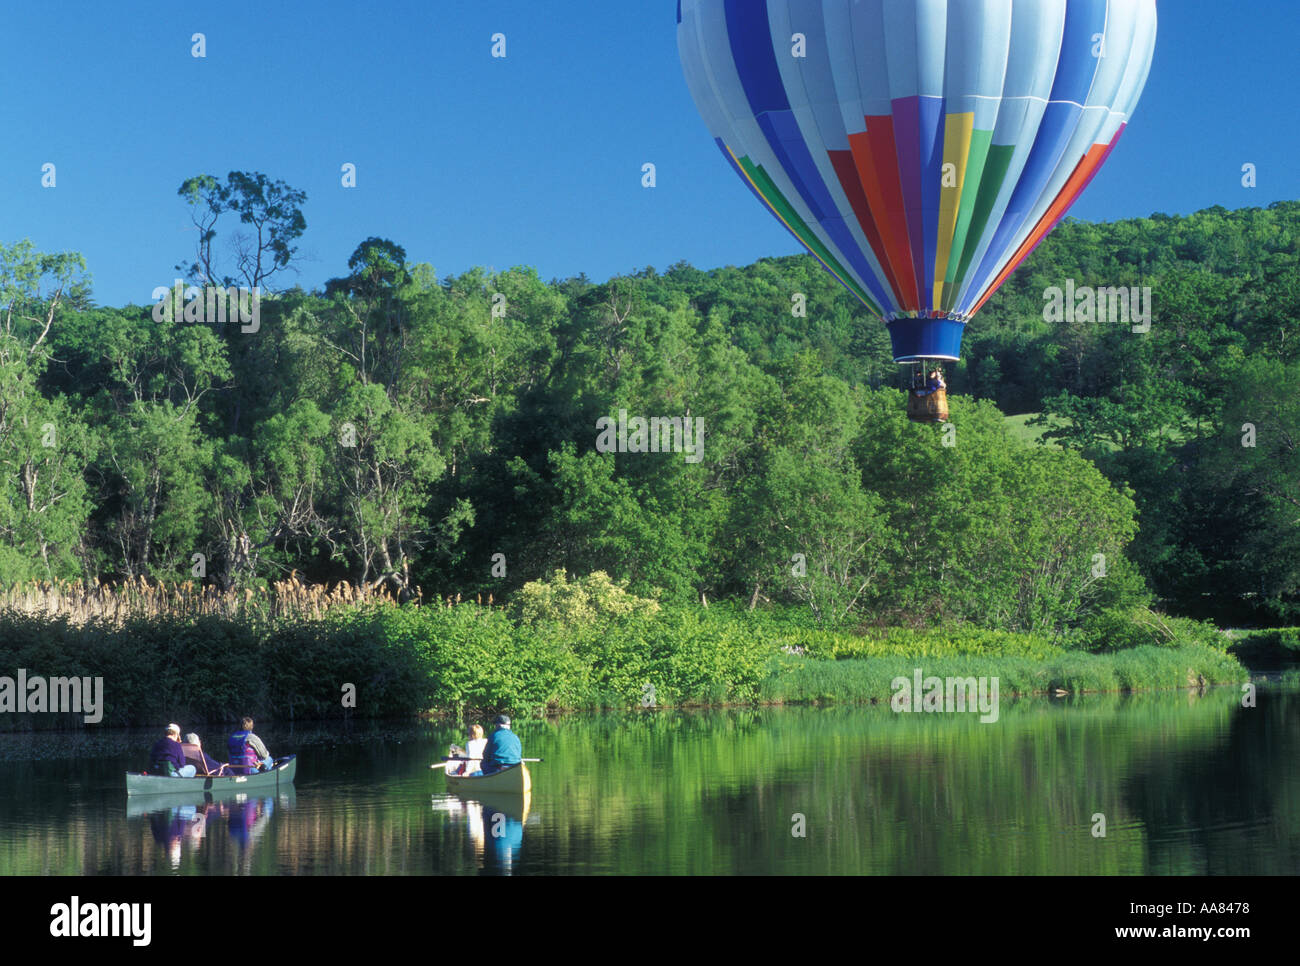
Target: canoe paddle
{"points": [[444, 764]]}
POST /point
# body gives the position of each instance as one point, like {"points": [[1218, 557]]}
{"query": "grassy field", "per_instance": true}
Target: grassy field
{"points": [[1020, 428]]}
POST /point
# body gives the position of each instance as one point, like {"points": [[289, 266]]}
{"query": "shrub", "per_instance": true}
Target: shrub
{"points": [[1118, 629], [586, 600]]}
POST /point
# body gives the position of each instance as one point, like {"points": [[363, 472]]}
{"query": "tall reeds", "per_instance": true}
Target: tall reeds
{"points": [[83, 601]]}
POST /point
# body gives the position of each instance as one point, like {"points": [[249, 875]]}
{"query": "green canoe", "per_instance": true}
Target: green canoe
{"points": [[138, 783]]}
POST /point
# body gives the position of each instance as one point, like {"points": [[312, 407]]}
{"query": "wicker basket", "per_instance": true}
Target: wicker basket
{"points": [[929, 408]]}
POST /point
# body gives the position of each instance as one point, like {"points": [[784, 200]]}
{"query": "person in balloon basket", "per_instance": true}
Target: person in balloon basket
{"points": [[933, 383], [167, 757], [247, 753], [503, 747]]}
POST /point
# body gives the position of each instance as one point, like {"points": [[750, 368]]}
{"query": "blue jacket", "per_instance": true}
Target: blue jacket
{"points": [[503, 748]]}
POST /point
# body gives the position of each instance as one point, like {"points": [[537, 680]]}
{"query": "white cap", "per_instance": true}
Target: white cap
{"points": [[173, 727]]}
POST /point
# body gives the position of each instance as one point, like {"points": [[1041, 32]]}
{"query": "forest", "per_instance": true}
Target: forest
{"points": [[438, 435]]}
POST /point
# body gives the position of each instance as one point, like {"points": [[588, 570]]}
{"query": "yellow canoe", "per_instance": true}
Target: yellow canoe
{"points": [[514, 780]]}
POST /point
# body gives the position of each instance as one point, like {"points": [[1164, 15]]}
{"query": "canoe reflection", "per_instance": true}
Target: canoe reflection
{"points": [[495, 824], [179, 822]]}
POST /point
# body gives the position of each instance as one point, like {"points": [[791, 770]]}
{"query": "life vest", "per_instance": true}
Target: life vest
{"points": [[243, 758]]}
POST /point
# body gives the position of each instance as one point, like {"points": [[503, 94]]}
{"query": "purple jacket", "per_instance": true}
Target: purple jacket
{"points": [[164, 750]]}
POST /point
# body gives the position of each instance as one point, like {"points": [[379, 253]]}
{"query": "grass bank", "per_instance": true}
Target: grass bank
{"points": [[400, 661], [798, 680]]}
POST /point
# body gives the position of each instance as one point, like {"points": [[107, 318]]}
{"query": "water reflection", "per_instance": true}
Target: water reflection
{"points": [[179, 823], [494, 824], [1189, 784]]}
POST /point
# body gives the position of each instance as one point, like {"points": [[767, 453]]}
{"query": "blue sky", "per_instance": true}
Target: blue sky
{"points": [[532, 160]]}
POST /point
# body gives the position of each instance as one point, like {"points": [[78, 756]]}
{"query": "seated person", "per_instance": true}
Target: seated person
{"points": [[166, 757], [204, 764], [931, 384], [503, 748], [247, 753], [473, 750]]}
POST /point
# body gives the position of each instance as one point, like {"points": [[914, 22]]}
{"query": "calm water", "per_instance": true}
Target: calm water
{"points": [[1187, 785]]}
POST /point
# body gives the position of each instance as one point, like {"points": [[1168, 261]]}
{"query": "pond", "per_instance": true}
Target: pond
{"points": [[1180, 783]]}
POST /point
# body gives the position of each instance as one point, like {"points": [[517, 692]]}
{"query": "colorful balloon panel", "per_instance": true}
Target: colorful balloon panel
{"points": [[919, 149]]}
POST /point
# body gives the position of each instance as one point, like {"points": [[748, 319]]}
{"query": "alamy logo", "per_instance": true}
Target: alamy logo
{"points": [[658, 434], [210, 305], [1116, 305], [75, 920], [935, 694], [35, 695]]}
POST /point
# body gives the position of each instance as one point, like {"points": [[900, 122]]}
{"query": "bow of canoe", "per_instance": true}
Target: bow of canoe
{"points": [[514, 780], [281, 774]]}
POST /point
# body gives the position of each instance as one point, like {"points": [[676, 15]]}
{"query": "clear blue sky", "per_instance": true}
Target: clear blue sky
{"points": [[532, 160]]}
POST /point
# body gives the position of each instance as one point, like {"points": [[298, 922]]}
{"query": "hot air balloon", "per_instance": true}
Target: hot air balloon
{"points": [[919, 149]]}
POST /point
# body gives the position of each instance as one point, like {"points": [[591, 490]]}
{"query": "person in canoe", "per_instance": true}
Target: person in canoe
{"points": [[167, 757], [247, 753], [204, 764], [473, 750], [503, 747]]}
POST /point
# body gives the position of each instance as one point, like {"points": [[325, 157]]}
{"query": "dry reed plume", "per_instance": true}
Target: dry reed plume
{"points": [[80, 601]]}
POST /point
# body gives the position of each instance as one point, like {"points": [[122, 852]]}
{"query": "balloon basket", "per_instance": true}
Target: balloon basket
{"points": [[930, 407]]}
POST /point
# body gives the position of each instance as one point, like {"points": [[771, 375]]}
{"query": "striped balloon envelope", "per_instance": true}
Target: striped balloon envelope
{"points": [[920, 149]]}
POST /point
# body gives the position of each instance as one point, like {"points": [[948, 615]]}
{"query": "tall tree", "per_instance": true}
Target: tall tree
{"points": [[44, 446], [271, 212]]}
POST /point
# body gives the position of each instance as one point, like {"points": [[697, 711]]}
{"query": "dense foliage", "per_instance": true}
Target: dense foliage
{"points": [[400, 429], [1271, 649], [381, 661]]}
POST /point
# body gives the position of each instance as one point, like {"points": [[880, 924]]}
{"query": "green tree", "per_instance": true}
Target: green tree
{"points": [[990, 530], [44, 446], [1250, 484], [271, 213], [158, 484]]}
